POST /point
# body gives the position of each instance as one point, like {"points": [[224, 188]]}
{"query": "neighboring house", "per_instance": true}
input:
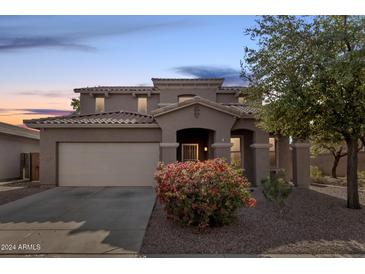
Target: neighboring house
{"points": [[122, 133], [13, 142]]}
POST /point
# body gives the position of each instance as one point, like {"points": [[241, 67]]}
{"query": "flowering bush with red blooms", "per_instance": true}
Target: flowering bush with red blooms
{"points": [[202, 193]]}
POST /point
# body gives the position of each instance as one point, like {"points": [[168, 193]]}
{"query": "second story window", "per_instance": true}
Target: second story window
{"points": [[99, 104], [183, 98], [142, 104]]}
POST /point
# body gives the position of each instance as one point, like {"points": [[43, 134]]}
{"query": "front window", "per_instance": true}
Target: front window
{"points": [[142, 104], [99, 104], [189, 152], [236, 151], [272, 151], [183, 98]]}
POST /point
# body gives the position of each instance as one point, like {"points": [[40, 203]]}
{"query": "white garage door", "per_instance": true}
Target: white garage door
{"points": [[107, 164]]}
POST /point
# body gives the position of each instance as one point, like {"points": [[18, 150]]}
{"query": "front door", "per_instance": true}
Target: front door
{"points": [[189, 152]]}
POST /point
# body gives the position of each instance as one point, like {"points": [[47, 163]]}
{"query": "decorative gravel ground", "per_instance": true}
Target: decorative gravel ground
{"points": [[15, 191], [314, 222]]}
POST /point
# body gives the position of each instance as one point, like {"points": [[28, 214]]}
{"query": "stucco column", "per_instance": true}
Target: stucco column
{"points": [[284, 156], [168, 146], [261, 156], [222, 144], [261, 162], [301, 163], [48, 159], [168, 152], [222, 150]]}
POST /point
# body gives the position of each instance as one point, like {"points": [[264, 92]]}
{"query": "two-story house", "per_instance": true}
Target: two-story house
{"points": [[122, 132]]}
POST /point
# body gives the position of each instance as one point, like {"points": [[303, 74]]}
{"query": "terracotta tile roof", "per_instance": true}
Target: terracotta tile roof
{"points": [[238, 88], [189, 79], [242, 108], [115, 89], [152, 90], [105, 118], [203, 82]]}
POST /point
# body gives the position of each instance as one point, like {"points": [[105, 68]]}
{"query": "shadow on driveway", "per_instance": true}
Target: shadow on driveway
{"points": [[77, 220]]}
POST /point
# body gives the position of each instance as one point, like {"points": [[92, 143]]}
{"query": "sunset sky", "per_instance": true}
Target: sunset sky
{"points": [[43, 58]]}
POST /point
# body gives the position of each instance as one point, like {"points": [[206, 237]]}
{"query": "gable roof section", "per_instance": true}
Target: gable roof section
{"points": [[18, 131], [104, 119], [197, 100]]}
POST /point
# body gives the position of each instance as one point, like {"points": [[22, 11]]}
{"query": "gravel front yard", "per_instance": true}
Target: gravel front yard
{"points": [[15, 191], [314, 222]]}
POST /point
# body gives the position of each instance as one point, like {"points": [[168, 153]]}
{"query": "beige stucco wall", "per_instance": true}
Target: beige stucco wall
{"points": [[152, 102], [325, 161], [128, 102], [226, 98], [50, 138], [117, 102], [11, 147], [87, 104]]}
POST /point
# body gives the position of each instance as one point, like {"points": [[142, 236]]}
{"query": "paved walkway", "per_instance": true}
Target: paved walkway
{"points": [[77, 220]]}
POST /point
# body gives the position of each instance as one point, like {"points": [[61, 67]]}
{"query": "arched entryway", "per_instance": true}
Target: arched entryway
{"points": [[195, 144]]}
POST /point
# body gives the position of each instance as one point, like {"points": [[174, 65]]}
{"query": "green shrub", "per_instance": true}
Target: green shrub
{"points": [[361, 174], [316, 174], [361, 177], [202, 194], [276, 189]]}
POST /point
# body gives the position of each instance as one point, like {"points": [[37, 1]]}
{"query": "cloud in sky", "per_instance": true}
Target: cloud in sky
{"points": [[33, 111], [15, 36], [48, 94], [230, 75], [16, 116], [17, 43]]}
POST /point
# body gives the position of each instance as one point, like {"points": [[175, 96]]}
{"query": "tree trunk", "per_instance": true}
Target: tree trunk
{"points": [[334, 167], [352, 188]]}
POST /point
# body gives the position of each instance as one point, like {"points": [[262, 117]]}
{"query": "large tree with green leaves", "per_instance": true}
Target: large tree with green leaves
{"points": [[311, 73]]}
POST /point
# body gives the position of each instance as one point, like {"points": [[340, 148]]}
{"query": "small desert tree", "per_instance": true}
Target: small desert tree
{"points": [[311, 72], [334, 144], [75, 104]]}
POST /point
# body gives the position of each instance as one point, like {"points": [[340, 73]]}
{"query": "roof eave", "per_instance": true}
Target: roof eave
{"points": [[17, 131], [41, 126]]}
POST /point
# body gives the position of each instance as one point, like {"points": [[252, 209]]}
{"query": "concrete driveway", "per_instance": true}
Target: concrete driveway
{"points": [[77, 220]]}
